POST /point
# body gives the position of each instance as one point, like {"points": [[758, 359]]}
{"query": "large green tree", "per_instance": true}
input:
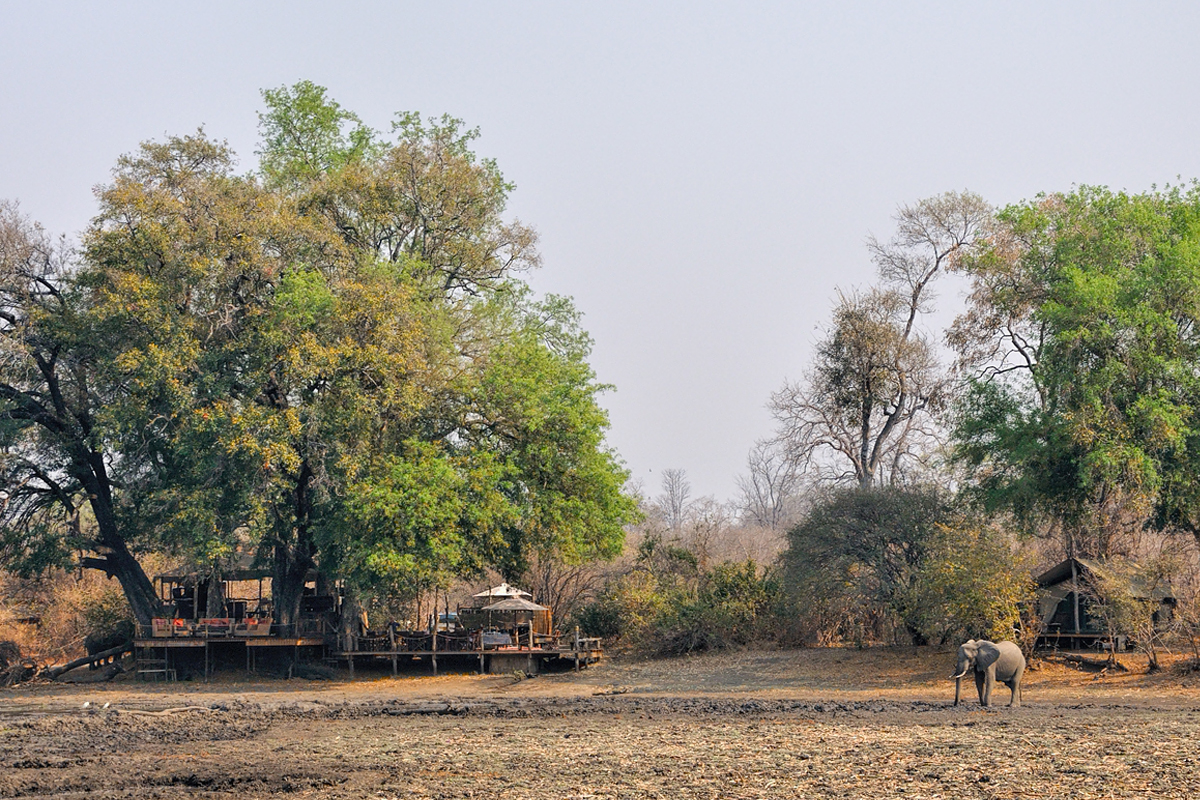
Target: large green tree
{"points": [[334, 362], [61, 487], [1082, 332]]}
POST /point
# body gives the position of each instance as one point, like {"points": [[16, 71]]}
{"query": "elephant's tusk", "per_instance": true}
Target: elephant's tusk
{"points": [[959, 675]]}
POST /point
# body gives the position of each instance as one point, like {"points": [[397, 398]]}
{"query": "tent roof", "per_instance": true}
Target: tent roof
{"points": [[504, 590], [514, 604], [1062, 572]]}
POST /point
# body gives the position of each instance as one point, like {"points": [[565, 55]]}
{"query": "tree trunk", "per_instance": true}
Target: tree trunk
{"points": [[54, 672], [294, 560], [115, 558], [139, 591], [287, 587], [351, 623], [215, 607]]}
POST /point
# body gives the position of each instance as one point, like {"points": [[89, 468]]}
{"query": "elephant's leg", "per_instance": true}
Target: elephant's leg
{"points": [[1015, 685], [979, 688], [989, 683]]}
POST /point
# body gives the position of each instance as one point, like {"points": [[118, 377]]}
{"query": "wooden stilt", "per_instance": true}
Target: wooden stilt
{"points": [[392, 647]]}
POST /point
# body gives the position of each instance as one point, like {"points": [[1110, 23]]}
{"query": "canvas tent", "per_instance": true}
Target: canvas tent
{"points": [[1067, 605]]}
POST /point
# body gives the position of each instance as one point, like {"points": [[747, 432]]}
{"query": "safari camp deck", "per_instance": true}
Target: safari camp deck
{"points": [[157, 657], [490, 660]]}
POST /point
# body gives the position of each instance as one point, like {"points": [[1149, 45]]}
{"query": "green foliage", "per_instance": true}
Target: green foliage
{"points": [[668, 605], [972, 584], [736, 605], [851, 564], [1084, 324], [306, 135], [332, 363], [630, 607], [603, 619]]}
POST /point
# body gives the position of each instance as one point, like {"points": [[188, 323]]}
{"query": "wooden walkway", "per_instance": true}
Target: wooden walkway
{"points": [[491, 660]]}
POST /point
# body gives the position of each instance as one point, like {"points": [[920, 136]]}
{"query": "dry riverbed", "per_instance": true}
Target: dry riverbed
{"points": [[805, 723]]}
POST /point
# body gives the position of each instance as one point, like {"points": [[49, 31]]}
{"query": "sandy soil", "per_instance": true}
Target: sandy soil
{"points": [[805, 723]]}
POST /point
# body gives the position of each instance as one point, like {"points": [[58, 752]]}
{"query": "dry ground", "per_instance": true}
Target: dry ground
{"points": [[803, 723]]}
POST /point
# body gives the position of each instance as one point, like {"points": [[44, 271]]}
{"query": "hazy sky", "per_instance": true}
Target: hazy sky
{"points": [[703, 175]]}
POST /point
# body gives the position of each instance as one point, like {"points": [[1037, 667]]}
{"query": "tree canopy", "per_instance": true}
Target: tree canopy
{"points": [[1084, 405], [331, 363], [867, 410]]}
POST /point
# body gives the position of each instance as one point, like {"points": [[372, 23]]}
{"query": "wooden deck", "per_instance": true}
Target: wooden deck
{"points": [[156, 657], [491, 660], [151, 664]]}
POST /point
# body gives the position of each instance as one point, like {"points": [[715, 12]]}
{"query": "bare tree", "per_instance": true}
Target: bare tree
{"points": [[564, 587], [931, 236], [769, 489], [707, 531], [676, 489], [864, 412]]}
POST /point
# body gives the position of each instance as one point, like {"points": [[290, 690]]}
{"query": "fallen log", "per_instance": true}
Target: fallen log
{"points": [[1090, 663], [18, 673], [53, 673]]}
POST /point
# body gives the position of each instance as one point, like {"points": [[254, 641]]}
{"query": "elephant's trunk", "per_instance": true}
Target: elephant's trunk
{"points": [[957, 689]]}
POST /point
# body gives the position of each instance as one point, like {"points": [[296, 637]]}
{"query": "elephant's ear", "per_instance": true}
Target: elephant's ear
{"points": [[988, 654]]}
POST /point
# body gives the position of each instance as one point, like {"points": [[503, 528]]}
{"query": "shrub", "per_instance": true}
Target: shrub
{"points": [[733, 608], [851, 563], [67, 606], [971, 584]]}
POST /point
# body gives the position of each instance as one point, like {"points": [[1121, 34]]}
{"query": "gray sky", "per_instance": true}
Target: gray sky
{"points": [[703, 175]]}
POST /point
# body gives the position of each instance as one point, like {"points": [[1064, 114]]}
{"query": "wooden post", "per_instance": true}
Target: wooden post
{"points": [[433, 658], [1075, 587], [576, 648], [392, 645]]}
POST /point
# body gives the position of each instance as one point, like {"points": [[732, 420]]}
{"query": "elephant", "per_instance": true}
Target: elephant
{"points": [[991, 661]]}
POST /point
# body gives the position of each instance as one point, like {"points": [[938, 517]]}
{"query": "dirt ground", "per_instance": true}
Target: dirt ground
{"points": [[798, 723]]}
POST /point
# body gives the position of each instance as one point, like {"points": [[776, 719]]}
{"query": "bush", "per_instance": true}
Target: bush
{"points": [[733, 608], [660, 609], [629, 607], [67, 606], [599, 618], [851, 563], [972, 584]]}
